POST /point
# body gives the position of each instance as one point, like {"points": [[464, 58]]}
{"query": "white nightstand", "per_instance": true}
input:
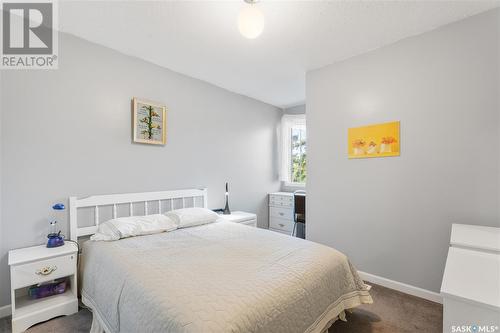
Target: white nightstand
{"points": [[241, 217], [37, 264]]}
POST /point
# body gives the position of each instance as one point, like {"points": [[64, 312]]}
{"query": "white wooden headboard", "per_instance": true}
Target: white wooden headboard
{"points": [[97, 201]]}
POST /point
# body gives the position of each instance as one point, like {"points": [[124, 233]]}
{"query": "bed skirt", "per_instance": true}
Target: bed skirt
{"points": [[334, 312]]}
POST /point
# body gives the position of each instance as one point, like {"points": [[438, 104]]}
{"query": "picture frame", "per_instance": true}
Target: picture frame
{"points": [[149, 123], [378, 140]]}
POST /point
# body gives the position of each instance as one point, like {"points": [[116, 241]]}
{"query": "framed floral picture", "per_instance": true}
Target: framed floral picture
{"points": [[149, 122], [379, 140]]}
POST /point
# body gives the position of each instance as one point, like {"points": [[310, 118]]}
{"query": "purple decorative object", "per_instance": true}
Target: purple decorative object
{"points": [[48, 289]]}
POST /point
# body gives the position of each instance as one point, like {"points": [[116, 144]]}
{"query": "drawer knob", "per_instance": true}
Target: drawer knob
{"points": [[281, 225], [46, 270], [282, 214]]}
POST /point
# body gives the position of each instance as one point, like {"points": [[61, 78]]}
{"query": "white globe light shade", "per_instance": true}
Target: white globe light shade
{"points": [[251, 22]]}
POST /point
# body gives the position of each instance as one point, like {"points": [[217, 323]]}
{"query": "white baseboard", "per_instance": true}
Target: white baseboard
{"points": [[402, 287], [5, 310]]}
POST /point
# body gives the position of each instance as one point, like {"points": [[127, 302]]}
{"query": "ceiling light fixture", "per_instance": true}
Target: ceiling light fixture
{"points": [[251, 20]]}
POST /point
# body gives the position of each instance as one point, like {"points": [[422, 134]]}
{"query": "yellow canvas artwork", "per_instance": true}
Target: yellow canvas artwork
{"points": [[380, 140]]}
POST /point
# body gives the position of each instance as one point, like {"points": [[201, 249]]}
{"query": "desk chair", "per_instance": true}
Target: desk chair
{"points": [[299, 209]]}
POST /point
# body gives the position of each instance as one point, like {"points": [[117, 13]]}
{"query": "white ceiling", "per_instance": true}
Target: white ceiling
{"points": [[201, 38]]}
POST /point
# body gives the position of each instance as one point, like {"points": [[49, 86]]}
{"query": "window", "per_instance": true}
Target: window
{"points": [[293, 149]]}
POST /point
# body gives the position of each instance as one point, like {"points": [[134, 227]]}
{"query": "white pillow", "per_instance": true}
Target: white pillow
{"points": [[133, 226], [190, 217]]}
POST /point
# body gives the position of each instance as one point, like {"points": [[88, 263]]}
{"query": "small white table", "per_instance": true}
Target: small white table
{"points": [[241, 217], [33, 265]]}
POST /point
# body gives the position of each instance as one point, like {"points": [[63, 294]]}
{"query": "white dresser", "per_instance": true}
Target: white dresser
{"points": [[471, 280], [281, 212]]}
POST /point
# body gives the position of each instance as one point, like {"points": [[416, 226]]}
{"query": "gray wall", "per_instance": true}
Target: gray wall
{"points": [[392, 216], [298, 109], [68, 132]]}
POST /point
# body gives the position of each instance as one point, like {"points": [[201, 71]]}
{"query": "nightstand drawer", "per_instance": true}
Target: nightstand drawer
{"points": [[44, 270], [281, 224], [283, 213], [252, 223]]}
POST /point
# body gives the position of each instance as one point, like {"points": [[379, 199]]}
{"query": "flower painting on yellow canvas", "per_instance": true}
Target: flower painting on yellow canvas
{"points": [[378, 140]]}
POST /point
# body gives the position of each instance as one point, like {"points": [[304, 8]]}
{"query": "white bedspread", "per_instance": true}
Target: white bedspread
{"points": [[220, 277]]}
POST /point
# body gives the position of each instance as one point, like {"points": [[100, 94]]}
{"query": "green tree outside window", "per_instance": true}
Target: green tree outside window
{"points": [[299, 155]]}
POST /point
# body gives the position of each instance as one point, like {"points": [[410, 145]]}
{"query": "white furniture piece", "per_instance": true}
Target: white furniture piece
{"points": [[241, 217], [475, 237], [471, 280], [281, 212], [152, 203], [34, 265]]}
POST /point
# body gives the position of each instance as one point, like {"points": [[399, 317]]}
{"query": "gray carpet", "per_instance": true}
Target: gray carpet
{"points": [[391, 312]]}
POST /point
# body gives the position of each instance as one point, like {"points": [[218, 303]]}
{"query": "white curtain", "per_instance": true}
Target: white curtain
{"points": [[288, 121]]}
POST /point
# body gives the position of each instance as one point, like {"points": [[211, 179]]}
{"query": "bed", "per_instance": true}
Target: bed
{"points": [[218, 277]]}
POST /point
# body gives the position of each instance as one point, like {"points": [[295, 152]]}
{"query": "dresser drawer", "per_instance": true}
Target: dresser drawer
{"points": [[43, 271], [280, 200], [281, 212], [276, 197], [280, 204], [281, 224]]}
